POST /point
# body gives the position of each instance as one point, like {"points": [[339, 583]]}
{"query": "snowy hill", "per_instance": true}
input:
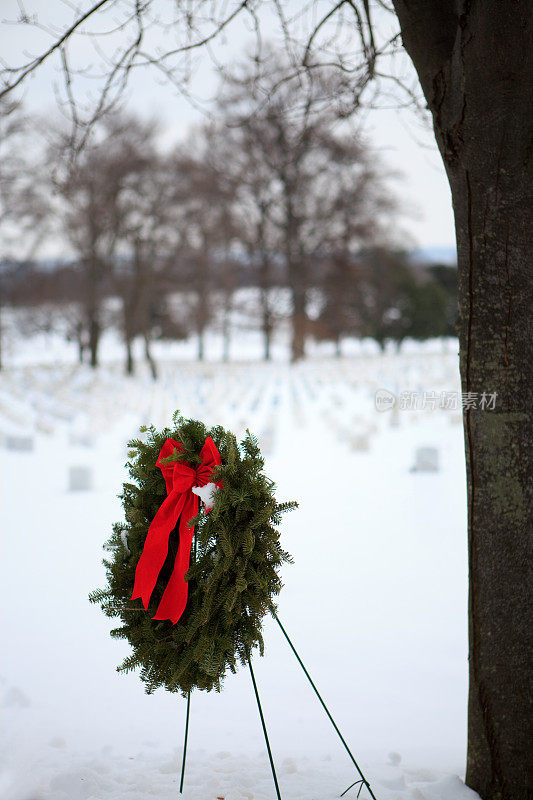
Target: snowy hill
{"points": [[375, 602]]}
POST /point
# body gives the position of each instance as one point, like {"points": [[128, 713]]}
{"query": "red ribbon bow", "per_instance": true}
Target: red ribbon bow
{"points": [[180, 478]]}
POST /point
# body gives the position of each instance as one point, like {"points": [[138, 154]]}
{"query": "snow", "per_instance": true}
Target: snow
{"points": [[376, 602], [206, 494]]}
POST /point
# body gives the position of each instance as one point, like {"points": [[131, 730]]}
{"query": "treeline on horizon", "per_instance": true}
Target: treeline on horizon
{"points": [[276, 192]]}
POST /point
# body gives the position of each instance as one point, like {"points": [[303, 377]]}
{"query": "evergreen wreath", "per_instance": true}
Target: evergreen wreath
{"points": [[233, 576]]}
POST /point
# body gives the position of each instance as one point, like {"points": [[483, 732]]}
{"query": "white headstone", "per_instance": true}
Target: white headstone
{"points": [[266, 441], [80, 479], [80, 439], [395, 416], [360, 442], [427, 460], [44, 427], [19, 443], [15, 697]]}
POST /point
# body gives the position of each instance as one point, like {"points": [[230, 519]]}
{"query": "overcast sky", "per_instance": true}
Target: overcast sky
{"points": [[406, 144]]}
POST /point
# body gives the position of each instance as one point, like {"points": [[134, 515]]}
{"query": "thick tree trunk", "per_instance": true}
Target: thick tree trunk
{"points": [[1, 340], [149, 357], [475, 69], [130, 326], [201, 351], [80, 342], [299, 323], [226, 328], [265, 284], [130, 366], [295, 267], [202, 298], [266, 324], [94, 271], [94, 340], [267, 336]]}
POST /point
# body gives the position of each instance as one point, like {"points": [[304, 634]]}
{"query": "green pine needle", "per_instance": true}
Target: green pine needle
{"points": [[233, 581]]}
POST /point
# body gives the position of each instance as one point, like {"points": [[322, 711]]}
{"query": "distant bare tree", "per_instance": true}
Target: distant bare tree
{"points": [[240, 150], [24, 201], [307, 187], [94, 191], [204, 198], [150, 232]]}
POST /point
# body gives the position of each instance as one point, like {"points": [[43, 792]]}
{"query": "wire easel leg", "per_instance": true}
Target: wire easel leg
{"points": [[188, 707], [360, 781], [272, 767], [341, 737], [185, 742]]}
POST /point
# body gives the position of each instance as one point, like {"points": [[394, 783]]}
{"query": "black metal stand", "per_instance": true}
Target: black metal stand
{"points": [[362, 781], [188, 702], [272, 767], [185, 742]]}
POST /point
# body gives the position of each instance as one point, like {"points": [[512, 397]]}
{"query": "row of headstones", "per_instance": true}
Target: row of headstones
{"points": [[358, 439], [260, 410], [25, 442], [17, 442], [80, 478], [357, 435]]}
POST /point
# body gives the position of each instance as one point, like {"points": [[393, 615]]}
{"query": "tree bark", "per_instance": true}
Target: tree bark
{"points": [[94, 339], [266, 328], [130, 367], [226, 327], [299, 323], [265, 278], [149, 357], [80, 341], [202, 297], [294, 264], [267, 324], [1, 338], [92, 302], [200, 352], [475, 67]]}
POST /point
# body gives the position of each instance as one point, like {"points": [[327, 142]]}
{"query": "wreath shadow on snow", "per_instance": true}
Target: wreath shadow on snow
{"points": [[233, 578]]}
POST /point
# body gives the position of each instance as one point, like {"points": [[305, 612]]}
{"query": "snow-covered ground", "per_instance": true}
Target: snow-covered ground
{"points": [[375, 602]]}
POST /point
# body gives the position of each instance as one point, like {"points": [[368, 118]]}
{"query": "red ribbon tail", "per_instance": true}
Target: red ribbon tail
{"points": [[156, 548], [174, 598]]}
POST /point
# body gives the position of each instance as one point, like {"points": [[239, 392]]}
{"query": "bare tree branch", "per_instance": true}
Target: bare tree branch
{"points": [[23, 72], [342, 36]]}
